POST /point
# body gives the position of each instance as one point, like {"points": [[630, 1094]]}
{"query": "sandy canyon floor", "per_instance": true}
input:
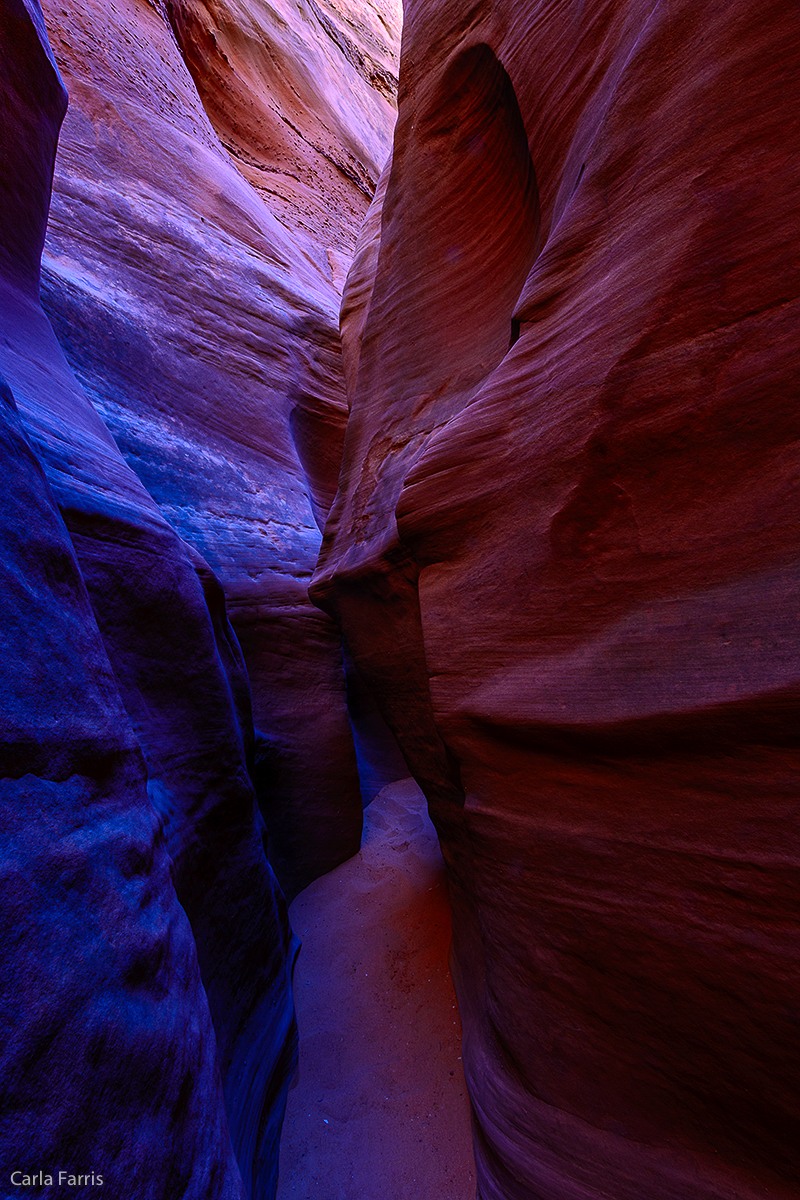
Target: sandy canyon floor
{"points": [[379, 1109]]}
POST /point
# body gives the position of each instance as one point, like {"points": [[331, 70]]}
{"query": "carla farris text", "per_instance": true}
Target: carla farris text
{"points": [[22, 1179]]}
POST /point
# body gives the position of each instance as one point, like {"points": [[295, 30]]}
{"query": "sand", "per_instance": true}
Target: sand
{"points": [[379, 1110]]}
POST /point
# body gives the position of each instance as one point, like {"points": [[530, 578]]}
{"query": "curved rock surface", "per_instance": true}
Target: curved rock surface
{"points": [[146, 947], [205, 332], [304, 98], [564, 554]]}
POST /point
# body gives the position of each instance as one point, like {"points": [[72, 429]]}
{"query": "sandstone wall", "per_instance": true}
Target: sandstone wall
{"points": [[303, 96], [146, 952], [205, 331], [564, 554]]}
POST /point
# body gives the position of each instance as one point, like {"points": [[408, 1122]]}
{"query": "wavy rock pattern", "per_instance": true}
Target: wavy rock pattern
{"points": [[304, 98], [146, 979], [127, 805], [204, 332], [564, 555]]}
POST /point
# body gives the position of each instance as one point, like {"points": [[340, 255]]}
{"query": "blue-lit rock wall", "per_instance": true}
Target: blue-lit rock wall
{"points": [[145, 983]]}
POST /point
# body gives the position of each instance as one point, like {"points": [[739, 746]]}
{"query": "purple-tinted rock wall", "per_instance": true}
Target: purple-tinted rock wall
{"points": [[148, 952], [204, 331]]}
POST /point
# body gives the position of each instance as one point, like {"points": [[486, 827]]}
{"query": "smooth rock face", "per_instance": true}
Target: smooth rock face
{"points": [[564, 555], [205, 331], [127, 802]]}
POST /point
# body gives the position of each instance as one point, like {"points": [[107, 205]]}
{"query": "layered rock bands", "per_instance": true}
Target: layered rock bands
{"points": [[147, 956], [564, 553], [204, 329]]}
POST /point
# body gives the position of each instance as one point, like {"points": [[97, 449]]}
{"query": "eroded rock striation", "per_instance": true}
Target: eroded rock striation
{"points": [[304, 98], [146, 992], [205, 331], [564, 554]]}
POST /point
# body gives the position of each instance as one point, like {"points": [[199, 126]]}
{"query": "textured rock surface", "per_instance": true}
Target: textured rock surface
{"points": [[204, 331], [127, 803], [380, 1107], [303, 96], [109, 1060], [563, 553]]}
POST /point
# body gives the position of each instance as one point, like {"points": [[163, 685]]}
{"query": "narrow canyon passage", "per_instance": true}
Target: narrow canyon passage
{"points": [[528, 470], [379, 1110]]}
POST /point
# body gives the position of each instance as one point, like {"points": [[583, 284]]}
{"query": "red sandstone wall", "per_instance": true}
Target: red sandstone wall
{"points": [[564, 553], [303, 96]]}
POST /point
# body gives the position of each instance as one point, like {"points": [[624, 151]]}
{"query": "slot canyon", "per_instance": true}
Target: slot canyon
{"points": [[401, 604]]}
